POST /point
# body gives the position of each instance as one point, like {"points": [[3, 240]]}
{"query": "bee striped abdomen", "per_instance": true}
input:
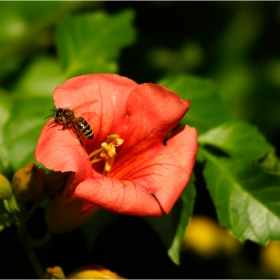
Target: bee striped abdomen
{"points": [[84, 127]]}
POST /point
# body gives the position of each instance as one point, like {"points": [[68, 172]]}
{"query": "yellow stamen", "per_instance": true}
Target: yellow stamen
{"points": [[107, 152], [95, 153], [96, 160]]}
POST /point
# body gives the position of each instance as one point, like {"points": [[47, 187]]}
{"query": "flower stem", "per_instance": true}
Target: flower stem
{"points": [[24, 238], [43, 241]]}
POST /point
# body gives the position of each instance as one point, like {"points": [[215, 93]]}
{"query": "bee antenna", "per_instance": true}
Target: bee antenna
{"points": [[49, 116]]}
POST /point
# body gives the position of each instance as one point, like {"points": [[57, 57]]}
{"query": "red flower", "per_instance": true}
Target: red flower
{"points": [[144, 176]]}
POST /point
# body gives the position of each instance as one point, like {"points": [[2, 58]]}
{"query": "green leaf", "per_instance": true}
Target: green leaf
{"points": [[22, 130], [25, 27], [207, 110], [98, 222], [17, 17], [238, 139], [247, 199], [171, 228], [41, 77], [5, 113], [91, 43], [269, 164]]}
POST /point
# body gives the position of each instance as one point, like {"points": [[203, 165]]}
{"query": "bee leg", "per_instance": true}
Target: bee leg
{"points": [[79, 137], [66, 125], [81, 141]]}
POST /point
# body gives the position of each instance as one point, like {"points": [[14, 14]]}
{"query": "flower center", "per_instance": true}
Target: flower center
{"points": [[107, 152]]}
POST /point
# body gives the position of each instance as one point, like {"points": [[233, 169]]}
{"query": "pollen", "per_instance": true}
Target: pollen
{"points": [[107, 152]]}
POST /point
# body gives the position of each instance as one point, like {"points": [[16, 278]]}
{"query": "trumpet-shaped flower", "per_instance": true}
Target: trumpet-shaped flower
{"points": [[133, 165]]}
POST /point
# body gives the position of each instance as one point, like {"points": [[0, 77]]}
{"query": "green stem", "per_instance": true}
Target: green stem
{"points": [[32, 210], [25, 242], [29, 243], [43, 241]]}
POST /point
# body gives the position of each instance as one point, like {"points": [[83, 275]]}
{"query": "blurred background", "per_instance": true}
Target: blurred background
{"points": [[237, 46]]}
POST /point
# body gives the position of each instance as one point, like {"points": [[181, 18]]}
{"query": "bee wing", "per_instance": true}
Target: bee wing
{"points": [[72, 132], [85, 111], [87, 114], [85, 106]]}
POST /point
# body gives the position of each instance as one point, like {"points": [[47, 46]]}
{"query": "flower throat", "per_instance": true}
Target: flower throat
{"points": [[106, 152]]}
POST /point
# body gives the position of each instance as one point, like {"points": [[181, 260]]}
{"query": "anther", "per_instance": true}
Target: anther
{"points": [[107, 152]]}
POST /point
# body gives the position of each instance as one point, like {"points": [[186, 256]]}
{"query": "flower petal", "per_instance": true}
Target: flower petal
{"points": [[147, 177], [57, 149], [152, 111], [110, 90], [155, 182], [65, 213]]}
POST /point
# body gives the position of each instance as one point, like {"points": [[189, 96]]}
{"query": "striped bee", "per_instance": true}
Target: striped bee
{"points": [[69, 119]]}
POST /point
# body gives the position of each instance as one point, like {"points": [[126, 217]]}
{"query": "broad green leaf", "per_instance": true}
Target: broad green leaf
{"points": [[247, 199], [41, 77], [5, 113], [18, 16], [98, 222], [199, 156], [171, 228], [238, 139], [269, 164], [91, 43], [25, 27], [22, 130], [206, 110]]}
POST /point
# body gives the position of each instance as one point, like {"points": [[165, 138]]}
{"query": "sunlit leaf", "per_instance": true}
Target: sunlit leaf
{"points": [[247, 199], [171, 228], [206, 110], [22, 131], [91, 43], [269, 163], [5, 113], [24, 28], [18, 16], [238, 139], [41, 77]]}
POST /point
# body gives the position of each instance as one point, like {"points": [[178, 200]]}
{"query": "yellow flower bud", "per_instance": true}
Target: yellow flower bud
{"points": [[6, 191], [269, 258], [93, 271], [28, 182], [208, 238], [54, 273]]}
